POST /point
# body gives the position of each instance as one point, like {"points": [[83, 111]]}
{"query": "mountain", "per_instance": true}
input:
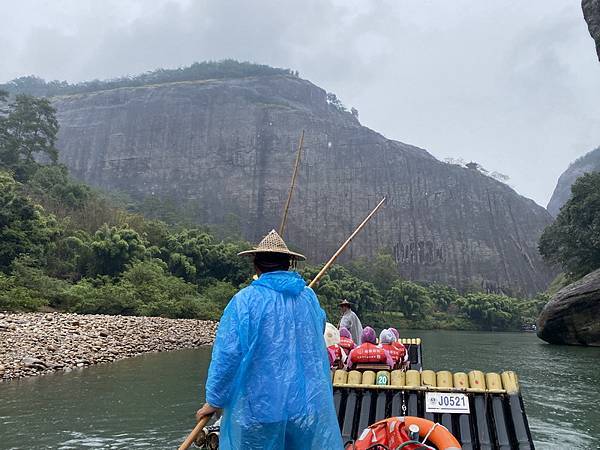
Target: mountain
{"points": [[228, 145], [591, 12], [562, 192]]}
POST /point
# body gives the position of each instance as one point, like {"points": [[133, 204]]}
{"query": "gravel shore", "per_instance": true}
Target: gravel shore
{"points": [[39, 343]]}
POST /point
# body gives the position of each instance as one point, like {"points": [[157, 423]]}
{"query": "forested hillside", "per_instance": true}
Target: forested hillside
{"points": [[219, 140], [68, 247]]}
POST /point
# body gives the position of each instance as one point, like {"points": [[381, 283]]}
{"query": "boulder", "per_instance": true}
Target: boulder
{"points": [[572, 316], [591, 12], [34, 363]]}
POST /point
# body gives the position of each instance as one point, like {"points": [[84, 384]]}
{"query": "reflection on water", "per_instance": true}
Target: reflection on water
{"points": [[149, 402]]}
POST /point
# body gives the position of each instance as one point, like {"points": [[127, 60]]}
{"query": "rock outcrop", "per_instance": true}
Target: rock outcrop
{"points": [[229, 146], [591, 12], [562, 192], [573, 315]]}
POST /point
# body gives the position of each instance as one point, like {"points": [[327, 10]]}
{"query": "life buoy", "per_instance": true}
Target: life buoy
{"points": [[392, 432]]}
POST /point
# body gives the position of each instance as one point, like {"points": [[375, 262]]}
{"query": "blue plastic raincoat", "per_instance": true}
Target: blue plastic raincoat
{"points": [[269, 370]]}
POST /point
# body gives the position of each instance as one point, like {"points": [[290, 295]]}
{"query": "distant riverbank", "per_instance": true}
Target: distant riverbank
{"points": [[39, 343]]}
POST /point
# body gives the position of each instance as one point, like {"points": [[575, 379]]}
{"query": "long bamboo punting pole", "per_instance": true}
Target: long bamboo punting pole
{"points": [[289, 198], [194, 434], [345, 244]]}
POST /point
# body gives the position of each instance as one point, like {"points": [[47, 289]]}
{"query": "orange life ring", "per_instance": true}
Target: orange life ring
{"points": [[391, 432], [440, 436]]}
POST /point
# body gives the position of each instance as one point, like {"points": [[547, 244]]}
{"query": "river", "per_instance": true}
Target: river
{"points": [[148, 402]]}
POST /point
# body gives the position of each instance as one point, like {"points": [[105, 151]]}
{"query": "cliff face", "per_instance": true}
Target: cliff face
{"points": [[562, 192], [591, 12], [572, 316], [229, 145]]}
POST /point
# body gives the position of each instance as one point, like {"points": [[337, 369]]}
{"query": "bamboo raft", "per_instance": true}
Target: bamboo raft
{"points": [[496, 418]]}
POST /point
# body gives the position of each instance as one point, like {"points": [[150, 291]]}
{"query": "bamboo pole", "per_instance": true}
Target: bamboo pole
{"points": [[194, 434], [345, 244], [289, 198]]}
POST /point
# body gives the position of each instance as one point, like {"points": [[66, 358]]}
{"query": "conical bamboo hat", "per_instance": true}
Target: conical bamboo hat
{"points": [[273, 243]]}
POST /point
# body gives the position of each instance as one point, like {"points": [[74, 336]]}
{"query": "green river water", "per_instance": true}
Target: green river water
{"points": [[148, 402]]}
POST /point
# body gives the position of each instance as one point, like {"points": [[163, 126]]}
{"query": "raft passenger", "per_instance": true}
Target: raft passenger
{"points": [[346, 341], [269, 372], [368, 352], [337, 355], [401, 348], [387, 340], [350, 321]]}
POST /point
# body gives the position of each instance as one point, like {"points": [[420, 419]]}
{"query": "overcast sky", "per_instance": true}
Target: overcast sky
{"points": [[512, 84]]}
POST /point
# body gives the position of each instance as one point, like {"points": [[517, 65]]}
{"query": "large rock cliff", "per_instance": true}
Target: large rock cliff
{"points": [[229, 145], [562, 192], [591, 12], [572, 316]]}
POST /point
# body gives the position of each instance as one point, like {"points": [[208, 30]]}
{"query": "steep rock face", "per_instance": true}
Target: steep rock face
{"points": [[573, 315], [591, 12], [229, 145], [562, 192]]}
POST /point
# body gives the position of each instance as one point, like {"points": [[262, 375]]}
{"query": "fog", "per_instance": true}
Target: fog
{"points": [[512, 85]]}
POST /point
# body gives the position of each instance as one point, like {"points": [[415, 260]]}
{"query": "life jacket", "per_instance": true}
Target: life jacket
{"points": [[347, 344], [401, 348], [335, 355], [395, 352], [368, 353]]}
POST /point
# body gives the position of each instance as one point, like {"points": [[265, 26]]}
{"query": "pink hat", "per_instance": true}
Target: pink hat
{"points": [[368, 335], [344, 332], [393, 330]]}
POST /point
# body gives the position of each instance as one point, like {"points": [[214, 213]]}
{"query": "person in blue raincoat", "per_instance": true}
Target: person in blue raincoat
{"points": [[269, 372]]}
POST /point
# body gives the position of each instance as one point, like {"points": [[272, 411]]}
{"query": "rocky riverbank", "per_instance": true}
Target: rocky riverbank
{"points": [[39, 343]]}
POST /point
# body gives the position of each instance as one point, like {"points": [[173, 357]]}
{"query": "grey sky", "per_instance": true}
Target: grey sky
{"points": [[512, 84]]}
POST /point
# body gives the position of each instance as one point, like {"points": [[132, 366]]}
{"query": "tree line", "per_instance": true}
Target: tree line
{"points": [[68, 247], [206, 70]]}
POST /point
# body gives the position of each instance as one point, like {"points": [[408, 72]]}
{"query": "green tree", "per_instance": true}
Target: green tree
{"points": [[491, 311], [14, 297], [339, 284], [27, 131], [573, 240], [60, 193], [382, 270], [443, 296], [24, 229], [410, 298], [193, 255], [112, 248]]}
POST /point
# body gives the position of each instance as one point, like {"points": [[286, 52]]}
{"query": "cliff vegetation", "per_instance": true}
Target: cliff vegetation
{"points": [[206, 70]]}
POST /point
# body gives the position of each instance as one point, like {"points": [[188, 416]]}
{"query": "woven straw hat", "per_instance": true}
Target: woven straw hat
{"points": [[273, 243]]}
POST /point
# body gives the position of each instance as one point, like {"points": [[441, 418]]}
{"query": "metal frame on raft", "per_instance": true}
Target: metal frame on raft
{"points": [[496, 420]]}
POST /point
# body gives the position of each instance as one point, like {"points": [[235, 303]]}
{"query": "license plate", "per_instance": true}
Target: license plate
{"points": [[446, 402]]}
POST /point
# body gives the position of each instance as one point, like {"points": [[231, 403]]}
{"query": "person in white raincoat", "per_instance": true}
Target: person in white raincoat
{"points": [[351, 321]]}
